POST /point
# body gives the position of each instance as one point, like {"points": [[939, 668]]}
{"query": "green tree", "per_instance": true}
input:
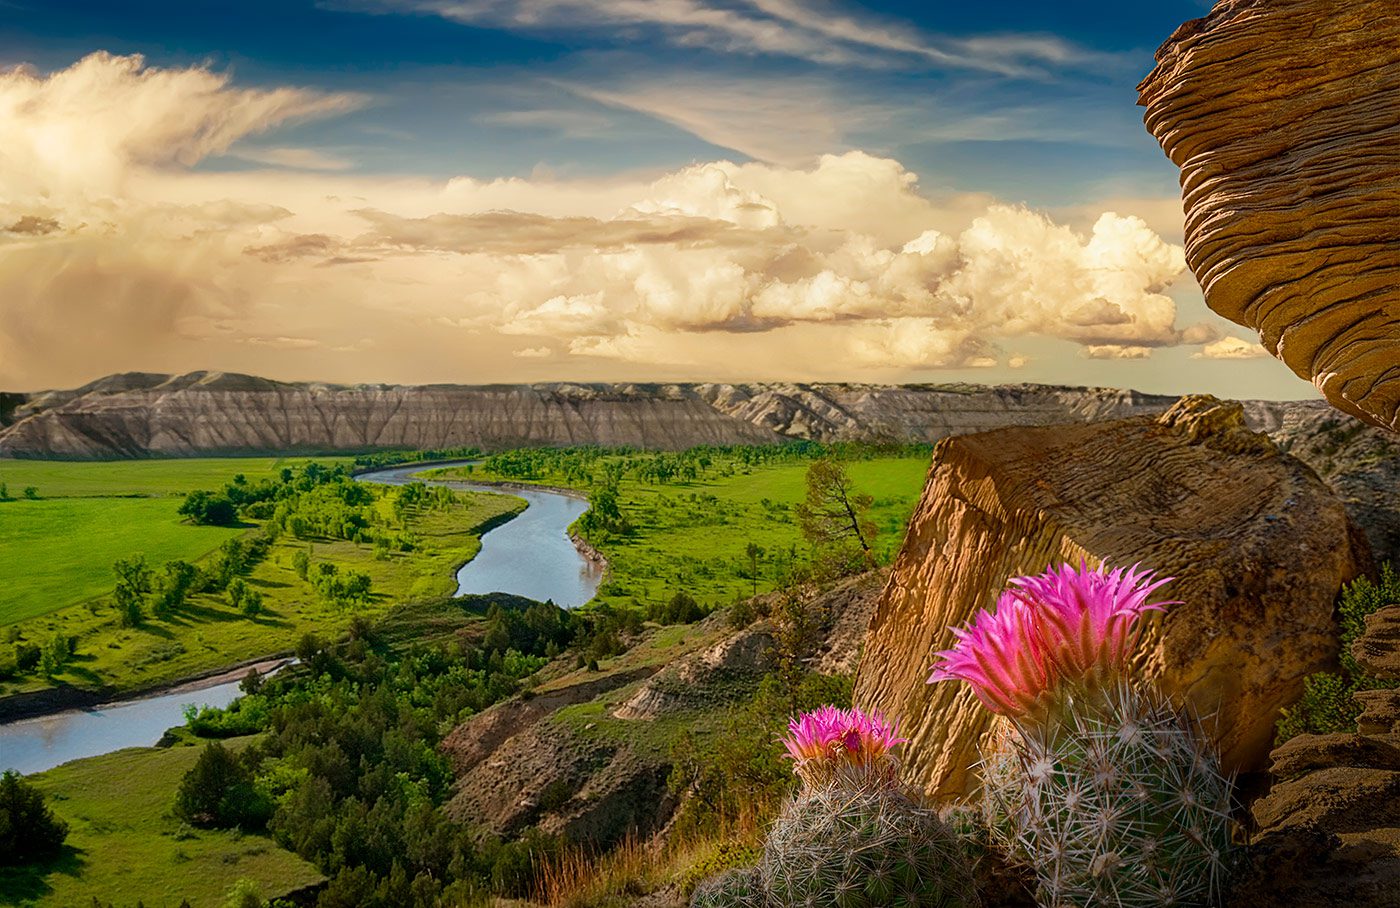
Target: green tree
{"points": [[301, 563], [4, 492], [29, 831], [209, 509], [133, 585], [834, 515], [755, 552], [177, 579], [56, 653], [218, 791], [31, 492]]}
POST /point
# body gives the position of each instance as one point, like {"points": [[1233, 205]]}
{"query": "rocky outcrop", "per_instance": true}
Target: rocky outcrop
{"points": [[1261, 548], [1284, 117], [1328, 833], [142, 415]]}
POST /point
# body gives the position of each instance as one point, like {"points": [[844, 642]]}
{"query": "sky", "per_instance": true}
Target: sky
{"points": [[598, 190]]}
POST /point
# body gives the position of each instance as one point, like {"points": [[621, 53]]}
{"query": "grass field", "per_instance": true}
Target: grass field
{"points": [[58, 552], [56, 558], [692, 536], [123, 845], [65, 479]]}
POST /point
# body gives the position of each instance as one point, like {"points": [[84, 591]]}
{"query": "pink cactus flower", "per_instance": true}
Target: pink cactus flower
{"points": [[1063, 626], [826, 741], [1002, 655], [1089, 617]]}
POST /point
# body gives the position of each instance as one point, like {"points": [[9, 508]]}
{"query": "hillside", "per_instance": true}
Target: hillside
{"points": [[145, 415]]}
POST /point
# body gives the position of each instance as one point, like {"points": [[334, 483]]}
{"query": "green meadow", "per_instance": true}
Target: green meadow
{"points": [[693, 536], [105, 479], [58, 552], [124, 846], [56, 578]]}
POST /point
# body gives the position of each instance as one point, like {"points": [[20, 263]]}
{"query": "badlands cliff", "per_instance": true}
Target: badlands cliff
{"points": [[142, 415], [1283, 117]]}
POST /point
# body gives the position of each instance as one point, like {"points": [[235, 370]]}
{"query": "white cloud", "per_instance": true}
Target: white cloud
{"points": [[840, 264], [1115, 351], [1231, 348]]}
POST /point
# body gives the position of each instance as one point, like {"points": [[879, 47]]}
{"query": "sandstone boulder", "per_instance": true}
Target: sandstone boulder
{"points": [[1284, 117], [1259, 545]]}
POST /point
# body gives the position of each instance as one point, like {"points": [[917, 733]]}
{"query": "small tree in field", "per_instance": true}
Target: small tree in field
{"points": [[834, 515], [28, 829], [755, 552], [133, 585], [219, 791]]}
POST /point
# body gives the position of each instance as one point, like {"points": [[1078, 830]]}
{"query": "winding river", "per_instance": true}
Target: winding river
{"points": [[530, 555]]}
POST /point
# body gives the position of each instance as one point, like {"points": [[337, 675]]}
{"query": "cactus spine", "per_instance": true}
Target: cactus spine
{"points": [[1117, 800], [848, 846], [738, 888]]}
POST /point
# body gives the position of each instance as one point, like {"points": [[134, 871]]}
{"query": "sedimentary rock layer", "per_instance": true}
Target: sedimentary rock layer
{"points": [[142, 415], [1260, 545], [1284, 117]]}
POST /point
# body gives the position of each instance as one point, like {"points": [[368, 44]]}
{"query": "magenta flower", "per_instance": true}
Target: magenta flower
{"points": [[1089, 617], [1063, 626], [1001, 654], [825, 741]]}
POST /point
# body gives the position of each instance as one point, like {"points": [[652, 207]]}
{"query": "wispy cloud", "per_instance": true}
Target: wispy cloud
{"points": [[292, 158], [819, 33]]}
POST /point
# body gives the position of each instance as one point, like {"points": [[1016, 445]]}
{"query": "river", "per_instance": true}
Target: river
{"points": [[530, 555]]}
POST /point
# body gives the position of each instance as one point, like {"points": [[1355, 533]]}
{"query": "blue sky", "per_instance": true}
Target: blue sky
{"points": [[588, 109]]}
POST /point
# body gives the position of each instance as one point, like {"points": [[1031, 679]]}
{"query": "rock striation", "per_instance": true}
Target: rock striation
{"points": [[143, 415], [1328, 833], [1260, 544], [1284, 117]]}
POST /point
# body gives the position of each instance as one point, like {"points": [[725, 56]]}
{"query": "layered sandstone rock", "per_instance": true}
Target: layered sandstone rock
{"points": [[1284, 117], [1260, 546], [1328, 833]]}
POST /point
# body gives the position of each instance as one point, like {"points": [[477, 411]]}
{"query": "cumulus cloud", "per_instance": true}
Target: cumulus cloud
{"points": [[726, 269], [1231, 348]]}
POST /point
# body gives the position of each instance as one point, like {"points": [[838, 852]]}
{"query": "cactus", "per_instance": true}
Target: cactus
{"points": [[1121, 803], [737, 888], [1111, 794], [846, 846]]}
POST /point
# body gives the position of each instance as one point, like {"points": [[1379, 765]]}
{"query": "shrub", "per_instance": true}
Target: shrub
{"points": [[218, 791], [1327, 705], [29, 831]]}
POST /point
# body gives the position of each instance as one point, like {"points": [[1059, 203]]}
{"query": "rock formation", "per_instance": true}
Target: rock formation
{"points": [[1260, 545], [1284, 117], [141, 415], [1328, 833]]}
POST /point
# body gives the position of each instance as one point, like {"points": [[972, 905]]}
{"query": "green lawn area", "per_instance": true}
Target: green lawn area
{"points": [[65, 479], [58, 552], [692, 536], [124, 846], [56, 558]]}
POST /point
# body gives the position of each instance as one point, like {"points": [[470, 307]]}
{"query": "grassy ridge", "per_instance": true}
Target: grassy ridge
{"points": [[123, 846]]}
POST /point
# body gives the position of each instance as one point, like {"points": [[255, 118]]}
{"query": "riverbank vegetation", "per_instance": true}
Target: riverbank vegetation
{"points": [[718, 524], [311, 549]]}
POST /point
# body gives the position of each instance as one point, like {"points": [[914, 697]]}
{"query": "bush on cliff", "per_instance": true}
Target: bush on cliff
{"points": [[1327, 705]]}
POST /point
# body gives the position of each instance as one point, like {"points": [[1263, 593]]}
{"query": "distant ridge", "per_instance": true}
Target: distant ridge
{"points": [[139, 414]]}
